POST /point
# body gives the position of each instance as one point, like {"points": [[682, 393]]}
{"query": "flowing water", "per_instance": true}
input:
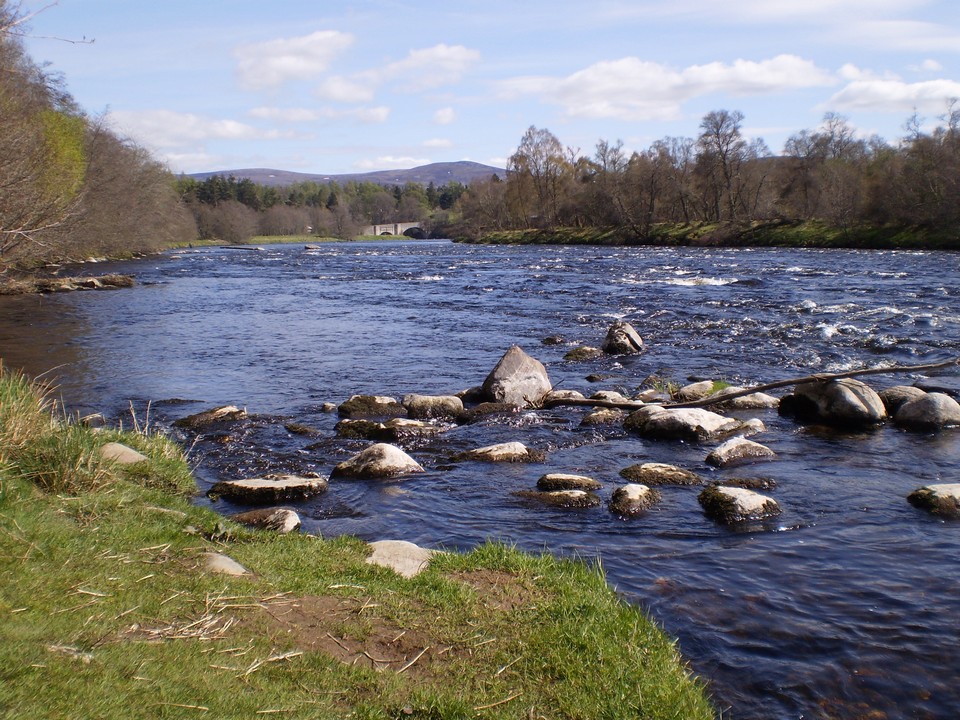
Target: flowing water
{"points": [[845, 606]]}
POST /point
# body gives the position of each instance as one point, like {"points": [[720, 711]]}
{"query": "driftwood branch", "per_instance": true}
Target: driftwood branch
{"points": [[714, 399]]}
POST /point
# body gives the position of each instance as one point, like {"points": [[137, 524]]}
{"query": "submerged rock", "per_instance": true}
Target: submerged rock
{"points": [[377, 462], [633, 499], [394, 430], [733, 504], [502, 452], [562, 498], [604, 416], [271, 488], [941, 499], [280, 520], [563, 481], [680, 423], [841, 403], [224, 413], [622, 339], [933, 411], [739, 450], [660, 474], [517, 379], [371, 406], [582, 353]]}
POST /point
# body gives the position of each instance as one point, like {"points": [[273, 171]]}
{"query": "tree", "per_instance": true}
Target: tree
{"points": [[540, 171]]}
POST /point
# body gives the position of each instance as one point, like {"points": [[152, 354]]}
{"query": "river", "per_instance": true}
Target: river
{"points": [[845, 606]]}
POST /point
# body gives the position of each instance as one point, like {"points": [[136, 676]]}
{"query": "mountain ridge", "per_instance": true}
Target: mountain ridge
{"points": [[440, 173]]}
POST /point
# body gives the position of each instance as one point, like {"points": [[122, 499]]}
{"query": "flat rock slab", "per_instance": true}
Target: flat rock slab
{"points": [[660, 474], [941, 499], [223, 565], [502, 452], [377, 462], [633, 499], [737, 451], [280, 520], [404, 558], [270, 488], [121, 454], [733, 504]]}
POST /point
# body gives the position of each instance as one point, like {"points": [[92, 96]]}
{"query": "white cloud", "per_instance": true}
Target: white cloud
{"points": [[391, 162], [893, 95], [167, 129], [274, 62], [437, 143], [444, 116], [341, 89], [635, 89], [431, 67], [371, 115], [928, 65]]}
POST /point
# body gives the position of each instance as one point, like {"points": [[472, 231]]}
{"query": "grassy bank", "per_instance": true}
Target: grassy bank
{"points": [[106, 610], [758, 234]]}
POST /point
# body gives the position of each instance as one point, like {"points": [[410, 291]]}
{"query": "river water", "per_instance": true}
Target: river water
{"points": [[845, 606]]}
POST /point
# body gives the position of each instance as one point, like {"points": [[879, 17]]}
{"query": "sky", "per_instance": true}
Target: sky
{"points": [[351, 86]]}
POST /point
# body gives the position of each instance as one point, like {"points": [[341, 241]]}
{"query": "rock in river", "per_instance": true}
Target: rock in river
{"points": [[660, 474], [739, 450], [732, 504], [933, 411], [423, 407], [842, 403], [942, 499], [502, 452], [563, 481], [224, 413], [680, 423], [371, 406], [562, 498], [270, 488], [517, 379], [377, 462], [633, 499], [622, 339]]}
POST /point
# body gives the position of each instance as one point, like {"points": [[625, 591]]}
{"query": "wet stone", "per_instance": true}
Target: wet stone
{"points": [[633, 499], [271, 488], [563, 481], [660, 474]]}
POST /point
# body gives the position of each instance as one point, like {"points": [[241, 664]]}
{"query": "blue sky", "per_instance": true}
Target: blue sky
{"points": [[339, 87]]}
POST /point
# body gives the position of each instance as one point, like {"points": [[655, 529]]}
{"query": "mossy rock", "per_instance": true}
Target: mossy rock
{"points": [[562, 481], [941, 499], [562, 498], [733, 505], [660, 474], [633, 499]]}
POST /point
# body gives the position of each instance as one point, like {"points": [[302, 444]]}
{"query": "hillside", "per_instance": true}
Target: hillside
{"points": [[463, 171]]}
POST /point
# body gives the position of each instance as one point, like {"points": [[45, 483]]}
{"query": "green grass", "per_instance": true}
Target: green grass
{"points": [[105, 610]]}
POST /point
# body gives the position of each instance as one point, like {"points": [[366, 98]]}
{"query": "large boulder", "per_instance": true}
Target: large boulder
{"points": [[517, 379], [272, 488], [842, 403], [377, 462], [622, 339], [732, 504], [933, 411], [633, 499], [694, 424], [422, 407], [502, 452], [942, 499], [739, 450], [660, 474], [898, 395]]}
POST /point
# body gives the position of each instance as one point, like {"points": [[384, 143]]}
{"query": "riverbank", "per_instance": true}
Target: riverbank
{"points": [[758, 234], [107, 605]]}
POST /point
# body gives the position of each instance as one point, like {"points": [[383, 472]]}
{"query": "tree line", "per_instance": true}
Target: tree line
{"points": [[828, 174], [69, 186], [235, 209]]}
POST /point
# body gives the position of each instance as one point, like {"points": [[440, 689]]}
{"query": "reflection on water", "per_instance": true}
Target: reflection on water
{"points": [[843, 607]]}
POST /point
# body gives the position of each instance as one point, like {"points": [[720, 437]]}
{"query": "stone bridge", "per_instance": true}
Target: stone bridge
{"points": [[397, 228]]}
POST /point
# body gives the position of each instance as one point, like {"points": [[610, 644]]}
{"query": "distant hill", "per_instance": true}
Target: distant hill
{"points": [[441, 173]]}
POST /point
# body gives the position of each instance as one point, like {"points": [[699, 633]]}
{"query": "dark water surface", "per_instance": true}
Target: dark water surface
{"points": [[846, 606]]}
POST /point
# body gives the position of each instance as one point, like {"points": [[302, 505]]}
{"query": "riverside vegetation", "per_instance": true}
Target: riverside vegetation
{"points": [[106, 607]]}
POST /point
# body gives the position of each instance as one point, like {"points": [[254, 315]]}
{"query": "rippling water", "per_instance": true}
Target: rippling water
{"points": [[845, 607]]}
